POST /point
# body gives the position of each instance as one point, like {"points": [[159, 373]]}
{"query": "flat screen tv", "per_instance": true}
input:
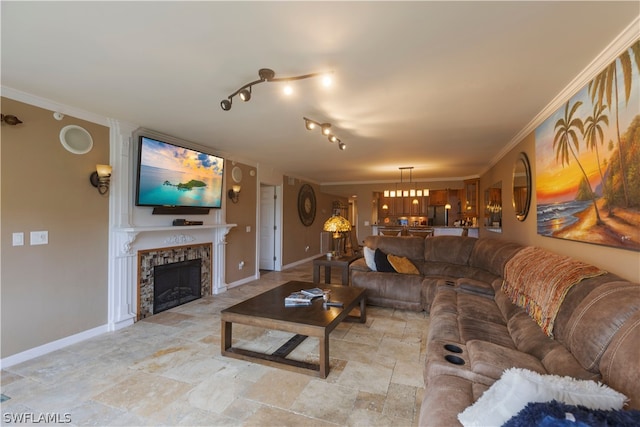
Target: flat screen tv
{"points": [[171, 175]]}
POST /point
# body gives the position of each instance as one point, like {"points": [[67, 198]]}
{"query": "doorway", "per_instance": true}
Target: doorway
{"points": [[268, 227]]}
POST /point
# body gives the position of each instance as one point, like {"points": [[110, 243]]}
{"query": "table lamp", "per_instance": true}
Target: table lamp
{"points": [[337, 225]]}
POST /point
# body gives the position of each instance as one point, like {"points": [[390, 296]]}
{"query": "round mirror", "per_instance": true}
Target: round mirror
{"points": [[522, 187], [76, 139]]}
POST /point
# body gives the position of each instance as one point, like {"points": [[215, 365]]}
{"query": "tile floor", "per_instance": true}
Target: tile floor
{"points": [[167, 370]]}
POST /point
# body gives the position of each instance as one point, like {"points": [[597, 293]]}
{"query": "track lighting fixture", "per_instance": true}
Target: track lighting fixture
{"points": [[265, 75], [325, 128]]}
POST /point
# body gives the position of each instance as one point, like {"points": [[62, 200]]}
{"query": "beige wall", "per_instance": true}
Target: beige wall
{"points": [[241, 245], [51, 291], [624, 263], [295, 235]]}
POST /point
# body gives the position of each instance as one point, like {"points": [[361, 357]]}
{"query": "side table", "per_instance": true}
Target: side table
{"points": [[341, 262]]}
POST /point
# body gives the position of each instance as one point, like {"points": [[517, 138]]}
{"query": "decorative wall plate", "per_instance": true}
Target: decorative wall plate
{"points": [[307, 204]]}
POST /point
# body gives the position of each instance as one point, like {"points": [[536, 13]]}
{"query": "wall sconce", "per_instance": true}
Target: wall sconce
{"points": [[266, 75], [325, 128], [10, 119], [234, 193], [101, 178]]}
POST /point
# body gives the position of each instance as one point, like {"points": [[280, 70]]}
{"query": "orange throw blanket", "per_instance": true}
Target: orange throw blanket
{"points": [[538, 280]]}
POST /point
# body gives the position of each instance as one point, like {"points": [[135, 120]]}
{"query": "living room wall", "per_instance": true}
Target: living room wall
{"points": [[299, 241], [241, 241], [624, 263], [56, 290]]}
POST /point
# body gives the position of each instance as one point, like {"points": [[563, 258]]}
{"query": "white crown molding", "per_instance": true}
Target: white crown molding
{"points": [[624, 40], [48, 104]]}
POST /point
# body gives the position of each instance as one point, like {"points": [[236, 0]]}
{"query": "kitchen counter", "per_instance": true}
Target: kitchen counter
{"points": [[438, 230]]}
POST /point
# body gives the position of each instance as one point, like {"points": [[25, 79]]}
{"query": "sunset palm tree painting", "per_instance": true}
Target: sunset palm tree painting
{"points": [[588, 160]]}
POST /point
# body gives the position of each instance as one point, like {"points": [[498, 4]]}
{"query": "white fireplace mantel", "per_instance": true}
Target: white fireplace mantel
{"points": [[178, 238]]}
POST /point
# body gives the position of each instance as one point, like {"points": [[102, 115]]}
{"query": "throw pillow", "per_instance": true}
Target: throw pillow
{"points": [[555, 413], [402, 264], [517, 387], [382, 263], [369, 258]]}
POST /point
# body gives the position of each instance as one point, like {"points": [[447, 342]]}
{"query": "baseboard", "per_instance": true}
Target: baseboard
{"points": [[243, 281], [52, 346], [302, 261]]}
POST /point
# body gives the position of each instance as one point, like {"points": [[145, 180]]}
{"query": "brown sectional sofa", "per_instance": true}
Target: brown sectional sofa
{"points": [[476, 332]]}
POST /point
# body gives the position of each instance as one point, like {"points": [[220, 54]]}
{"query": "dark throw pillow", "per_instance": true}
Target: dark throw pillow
{"points": [[382, 263]]}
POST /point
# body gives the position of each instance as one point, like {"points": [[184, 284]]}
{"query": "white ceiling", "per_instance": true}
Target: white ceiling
{"points": [[441, 86]]}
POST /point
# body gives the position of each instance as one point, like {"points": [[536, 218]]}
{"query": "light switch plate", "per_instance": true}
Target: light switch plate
{"points": [[39, 238], [18, 239]]}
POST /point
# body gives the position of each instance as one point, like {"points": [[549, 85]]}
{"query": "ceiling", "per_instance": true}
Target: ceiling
{"points": [[440, 86]]}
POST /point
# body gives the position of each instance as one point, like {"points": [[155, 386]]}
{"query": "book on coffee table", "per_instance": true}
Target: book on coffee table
{"points": [[298, 297], [313, 292], [297, 304]]}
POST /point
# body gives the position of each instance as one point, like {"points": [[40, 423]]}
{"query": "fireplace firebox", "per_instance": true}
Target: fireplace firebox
{"points": [[176, 283]]}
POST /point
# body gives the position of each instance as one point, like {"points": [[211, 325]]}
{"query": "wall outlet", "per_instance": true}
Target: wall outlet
{"points": [[306, 249], [240, 265], [248, 229], [39, 238]]}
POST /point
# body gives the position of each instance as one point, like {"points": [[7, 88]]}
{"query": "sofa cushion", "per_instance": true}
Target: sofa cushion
{"points": [[490, 360], [382, 262], [449, 249], [492, 254], [517, 387], [369, 258], [402, 264], [408, 246], [598, 318]]}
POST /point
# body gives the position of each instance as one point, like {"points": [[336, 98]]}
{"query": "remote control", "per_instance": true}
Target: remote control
{"points": [[333, 304]]}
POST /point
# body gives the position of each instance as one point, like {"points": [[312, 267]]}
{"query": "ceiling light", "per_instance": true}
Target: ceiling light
{"points": [[265, 75], [327, 81], [309, 124], [245, 94], [225, 104], [325, 128], [403, 191]]}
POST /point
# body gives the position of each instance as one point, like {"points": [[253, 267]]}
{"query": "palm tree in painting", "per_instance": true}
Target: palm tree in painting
{"points": [[605, 86], [592, 132], [566, 141]]}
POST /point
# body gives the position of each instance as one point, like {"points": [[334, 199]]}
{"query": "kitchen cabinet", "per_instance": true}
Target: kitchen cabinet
{"points": [[470, 198]]}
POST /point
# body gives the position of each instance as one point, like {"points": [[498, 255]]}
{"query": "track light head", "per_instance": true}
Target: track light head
{"points": [[342, 146], [245, 94], [309, 124], [332, 138], [225, 104], [326, 128]]}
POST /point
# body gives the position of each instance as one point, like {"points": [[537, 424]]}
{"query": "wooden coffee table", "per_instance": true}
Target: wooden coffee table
{"points": [[267, 311]]}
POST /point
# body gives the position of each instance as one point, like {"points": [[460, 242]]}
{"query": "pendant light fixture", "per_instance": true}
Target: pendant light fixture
{"points": [[404, 191]]}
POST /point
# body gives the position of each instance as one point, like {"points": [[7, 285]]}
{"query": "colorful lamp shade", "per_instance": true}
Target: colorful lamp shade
{"points": [[337, 224]]}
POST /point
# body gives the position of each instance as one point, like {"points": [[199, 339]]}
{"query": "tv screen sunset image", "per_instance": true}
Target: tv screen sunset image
{"points": [[170, 175]]}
